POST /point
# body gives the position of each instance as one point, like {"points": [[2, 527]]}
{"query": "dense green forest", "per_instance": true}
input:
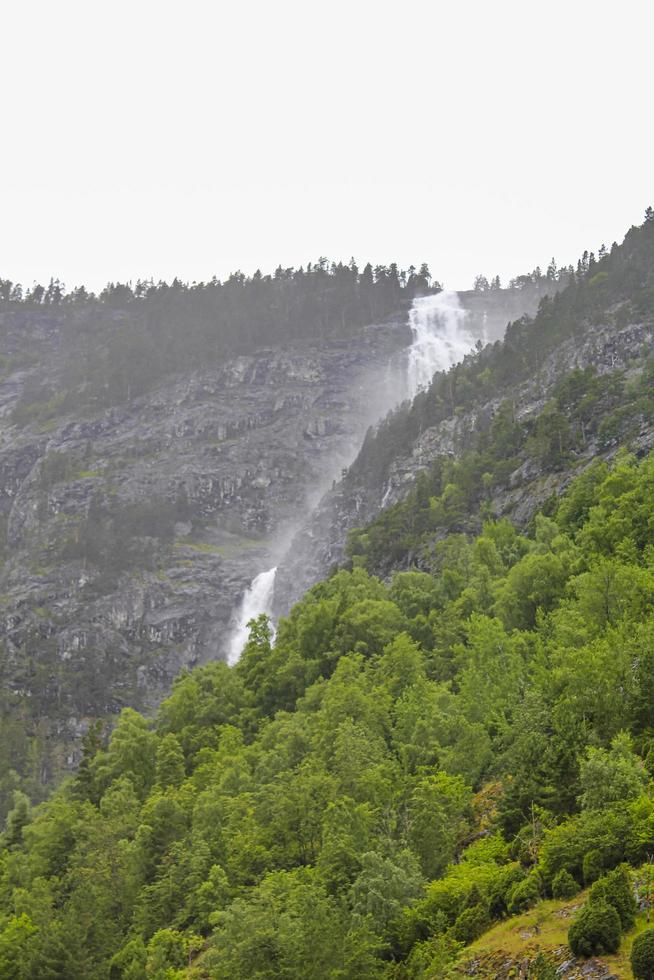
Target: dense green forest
{"points": [[406, 763]]}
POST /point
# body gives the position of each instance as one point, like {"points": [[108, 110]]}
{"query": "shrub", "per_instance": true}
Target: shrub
{"points": [[595, 930], [593, 866], [564, 885], [642, 956], [470, 924], [501, 888], [543, 968], [523, 895], [615, 889]]}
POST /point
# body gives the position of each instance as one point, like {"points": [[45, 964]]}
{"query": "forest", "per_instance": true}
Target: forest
{"points": [[405, 764], [121, 342]]}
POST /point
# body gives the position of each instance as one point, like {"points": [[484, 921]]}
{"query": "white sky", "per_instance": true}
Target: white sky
{"points": [[192, 138]]}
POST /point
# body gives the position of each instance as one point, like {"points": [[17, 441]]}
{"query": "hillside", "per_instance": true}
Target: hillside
{"points": [[518, 419], [408, 764], [129, 531], [422, 773], [442, 763]]}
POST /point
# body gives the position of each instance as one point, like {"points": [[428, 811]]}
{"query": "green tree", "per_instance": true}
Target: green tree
{"points": [[616, 889], [596, 930], [289, 926], [384, 886], [642, 956], [15, 946], [438, 809], [564, 885], [169, 769], [610, 776]]}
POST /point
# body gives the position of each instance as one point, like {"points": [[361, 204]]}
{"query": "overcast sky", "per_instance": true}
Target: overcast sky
{"points": [[191, 138]]}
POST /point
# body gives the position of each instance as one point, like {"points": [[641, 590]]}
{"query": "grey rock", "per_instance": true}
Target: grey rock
{"points": [[249, 444]]}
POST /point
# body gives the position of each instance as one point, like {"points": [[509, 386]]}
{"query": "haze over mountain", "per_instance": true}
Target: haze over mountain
{"points": [[450, 727]]}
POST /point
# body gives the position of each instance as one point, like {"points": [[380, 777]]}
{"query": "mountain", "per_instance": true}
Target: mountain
{"points": [[133, 530], [441, 764], [159, 448]]}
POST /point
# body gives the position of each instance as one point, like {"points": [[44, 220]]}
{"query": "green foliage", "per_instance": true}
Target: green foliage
{"points": [[290, 926], [564, 885], [593, 866], [169, 768], [642, 956], [543, 968], [470, 924], [610, 776], [596, 930], [616, 889], [129, 963], [14, 947], [437, 812], [524, 894], [311, 810]]}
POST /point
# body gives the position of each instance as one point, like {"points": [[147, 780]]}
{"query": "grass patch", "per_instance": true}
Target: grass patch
{"points": [[546, 925], [202, 546], [545, 928], [231, 549]]}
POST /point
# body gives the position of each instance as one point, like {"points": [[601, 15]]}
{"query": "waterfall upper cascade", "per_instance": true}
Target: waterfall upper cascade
{"points": [[440, 338], [256, 600]]}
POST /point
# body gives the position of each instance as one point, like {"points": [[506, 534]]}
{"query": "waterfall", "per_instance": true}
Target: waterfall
{"points": [[256, 600], [440, 338]]}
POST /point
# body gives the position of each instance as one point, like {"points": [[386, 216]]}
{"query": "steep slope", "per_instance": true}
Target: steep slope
{"points": [[379, 793], [154, 458], [410, 762], [132, 530], [602, 324]]}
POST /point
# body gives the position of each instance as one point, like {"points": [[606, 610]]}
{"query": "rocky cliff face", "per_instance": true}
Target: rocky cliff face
{"points": [[131, 532]]}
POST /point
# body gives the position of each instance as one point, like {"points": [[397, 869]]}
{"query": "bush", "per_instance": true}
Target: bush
{"points": [[500, 890], [523, 895], [595, 930], [616, 889], [470, 924], [642, 956], [543, 968], [564, 885], [593, 866]]}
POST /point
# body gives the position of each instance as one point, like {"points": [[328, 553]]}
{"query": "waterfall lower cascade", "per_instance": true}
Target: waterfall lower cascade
{"points": [[440, 338], [256, 600]]}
